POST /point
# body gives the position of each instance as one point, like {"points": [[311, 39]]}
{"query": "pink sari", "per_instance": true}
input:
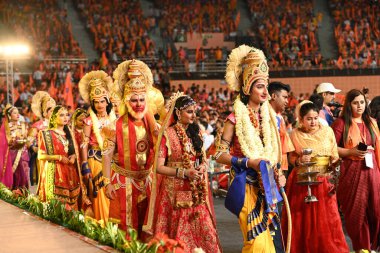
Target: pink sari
{"points": [[6, 175]]}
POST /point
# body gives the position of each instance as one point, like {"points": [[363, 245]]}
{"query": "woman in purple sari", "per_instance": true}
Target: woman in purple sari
{"points": [[14, 158]]}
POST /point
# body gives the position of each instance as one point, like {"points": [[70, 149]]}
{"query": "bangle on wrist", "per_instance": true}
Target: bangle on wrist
{"points": [[85, 169], [181, 173], [60, 158], [106, 181]]}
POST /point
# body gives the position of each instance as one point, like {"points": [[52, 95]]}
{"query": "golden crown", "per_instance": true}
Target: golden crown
{"points": [[245, 65], [131, 77], [135, 83], [95, 85], [97, 90], [256, 67], [41, 101]]}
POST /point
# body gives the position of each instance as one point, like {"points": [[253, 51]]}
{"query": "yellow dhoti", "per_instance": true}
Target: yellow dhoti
{"points": [[253, 218], [101, 203]]}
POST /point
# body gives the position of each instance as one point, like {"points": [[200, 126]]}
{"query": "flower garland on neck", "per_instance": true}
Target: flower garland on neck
{"points": [[251, 144], [198, 188], [96, 126]]}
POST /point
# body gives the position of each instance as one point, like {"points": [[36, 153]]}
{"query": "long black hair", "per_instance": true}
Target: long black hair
{"points": [[347, 114], [193, 130], [66, 129]]}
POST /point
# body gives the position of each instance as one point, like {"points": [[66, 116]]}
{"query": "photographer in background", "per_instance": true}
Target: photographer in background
{"points": [[328, 91]]}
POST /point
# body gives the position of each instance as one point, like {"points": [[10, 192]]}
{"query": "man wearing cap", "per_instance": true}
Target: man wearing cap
{"points": [[328, 91]]}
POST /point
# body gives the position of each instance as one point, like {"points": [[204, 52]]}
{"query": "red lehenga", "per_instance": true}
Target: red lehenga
{"points": [[58, 180], [176, 214]]}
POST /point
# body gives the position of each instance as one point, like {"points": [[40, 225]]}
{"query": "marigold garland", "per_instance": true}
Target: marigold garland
{"points": [[198, 188], [249, 137]]}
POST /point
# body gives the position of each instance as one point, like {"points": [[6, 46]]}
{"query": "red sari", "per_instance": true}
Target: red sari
{"points": [[359, 193], [317, 227], [58, 180], [176, 216]]}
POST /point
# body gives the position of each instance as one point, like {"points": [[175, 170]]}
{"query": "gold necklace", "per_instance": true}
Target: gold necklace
{"points": [[65, 142]]}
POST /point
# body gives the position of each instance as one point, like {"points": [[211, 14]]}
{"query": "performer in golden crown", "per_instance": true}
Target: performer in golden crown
{"points": [[42, 106], [250, 144], [94, 88], [128, 147]]}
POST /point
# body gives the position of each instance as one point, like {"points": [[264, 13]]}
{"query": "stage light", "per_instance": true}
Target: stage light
{"points": [[14, 50]]}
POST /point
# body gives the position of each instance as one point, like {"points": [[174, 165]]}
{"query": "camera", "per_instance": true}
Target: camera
{"points": [[336, 108]]}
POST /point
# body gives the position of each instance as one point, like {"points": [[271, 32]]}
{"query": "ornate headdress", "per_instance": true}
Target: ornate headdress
{"points": [[8, 109], [114, 97], [54, 115], [95, 85], [186, 102], [78, 112], [245, 65], [132, 77], [41, 101]]}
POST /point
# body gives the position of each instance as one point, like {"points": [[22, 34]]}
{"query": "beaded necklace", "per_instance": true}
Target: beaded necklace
{"points": [[198, 188]]}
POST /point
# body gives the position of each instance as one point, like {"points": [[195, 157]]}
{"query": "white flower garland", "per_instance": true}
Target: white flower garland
{"points": [[249, 136], [96, 128]]}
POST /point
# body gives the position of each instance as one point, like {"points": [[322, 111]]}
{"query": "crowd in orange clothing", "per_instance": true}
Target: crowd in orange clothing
{"points": [[119, 28], [43, 24], [177, 18], [286, 30], [357, 32]]}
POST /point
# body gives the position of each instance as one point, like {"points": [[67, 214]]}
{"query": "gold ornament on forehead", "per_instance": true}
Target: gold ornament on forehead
{"points": [[174, 98]]}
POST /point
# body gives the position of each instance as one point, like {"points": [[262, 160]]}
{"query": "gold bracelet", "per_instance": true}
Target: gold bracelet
{"points": [[106, 181], [60, 158]]}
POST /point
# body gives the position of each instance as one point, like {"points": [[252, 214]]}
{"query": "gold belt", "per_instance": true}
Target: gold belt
{"points": [[134, 174]]}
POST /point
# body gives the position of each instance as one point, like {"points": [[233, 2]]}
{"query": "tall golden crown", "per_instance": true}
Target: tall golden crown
{"points": [[41, 101], [245, 65], [256, 67], [132, 77], [95, 85]]}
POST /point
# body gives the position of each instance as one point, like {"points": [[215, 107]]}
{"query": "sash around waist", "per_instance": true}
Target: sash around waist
{"points": [[134, 174]]}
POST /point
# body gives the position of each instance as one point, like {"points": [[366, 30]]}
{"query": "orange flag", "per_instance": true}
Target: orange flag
{"points": [[52, 89], [103, 61], [68, 92]]}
